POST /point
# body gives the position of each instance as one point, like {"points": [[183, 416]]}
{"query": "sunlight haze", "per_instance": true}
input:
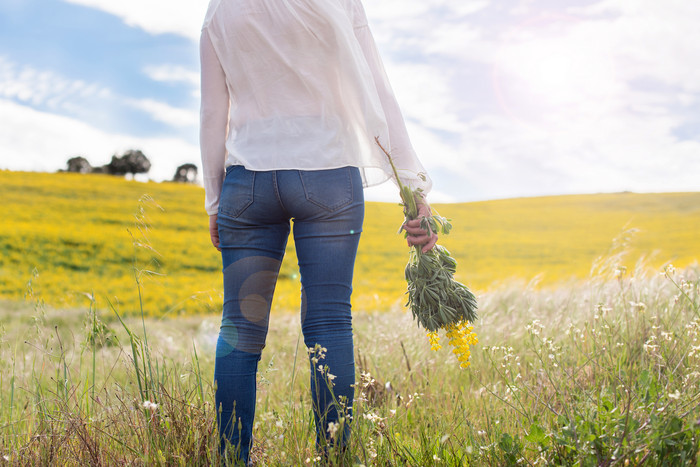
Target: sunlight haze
{"points": [[502, 98]]}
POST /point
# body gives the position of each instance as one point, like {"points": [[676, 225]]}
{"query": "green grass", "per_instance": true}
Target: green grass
{"points": [[595, 373], [587, 355]]}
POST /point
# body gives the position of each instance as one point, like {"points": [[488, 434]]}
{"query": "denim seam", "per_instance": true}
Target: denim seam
{"points": [[277, 192]]}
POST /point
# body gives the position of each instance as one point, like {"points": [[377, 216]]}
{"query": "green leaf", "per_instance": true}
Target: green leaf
{"points": [[537, 435]]}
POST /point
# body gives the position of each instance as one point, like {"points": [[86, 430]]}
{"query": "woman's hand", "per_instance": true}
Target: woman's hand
{"points": [[416, 234], [214, 231]]}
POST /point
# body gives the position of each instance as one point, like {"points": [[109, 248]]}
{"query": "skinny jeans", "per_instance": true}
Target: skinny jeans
{"points": [[255, 210]]}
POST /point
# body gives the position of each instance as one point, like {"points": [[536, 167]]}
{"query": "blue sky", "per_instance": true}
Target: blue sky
{"points": [[503, 98]]}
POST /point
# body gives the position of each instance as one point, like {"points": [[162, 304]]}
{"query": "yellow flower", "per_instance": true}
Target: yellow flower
{"points": [[434, 341], [461, 337]]}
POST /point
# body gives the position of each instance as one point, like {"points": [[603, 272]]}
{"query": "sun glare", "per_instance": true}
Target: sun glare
{"points": [[549, 71]]}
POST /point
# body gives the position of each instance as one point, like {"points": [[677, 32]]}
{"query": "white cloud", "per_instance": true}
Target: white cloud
{"points": [[391, 10], [33, 140], [425, 94], [43, 87], [389, 193], [165, 113], [182, 17], [560, 98], [175, 74], [172, 74], [654, 39], [502, 158], [560, 104]]}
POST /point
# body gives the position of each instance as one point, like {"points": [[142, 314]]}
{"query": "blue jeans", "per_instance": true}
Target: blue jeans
{"points": [[255, 210]]}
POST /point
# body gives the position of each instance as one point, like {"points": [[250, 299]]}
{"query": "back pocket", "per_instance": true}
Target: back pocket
{"points": [[330, 189], [237, 192]]}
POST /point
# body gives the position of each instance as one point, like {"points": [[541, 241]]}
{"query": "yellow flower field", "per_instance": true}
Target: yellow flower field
{"points": [[65, 237]]}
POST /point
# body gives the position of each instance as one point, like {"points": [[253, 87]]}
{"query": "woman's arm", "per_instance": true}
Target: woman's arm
{"points": [[213, 128], [401, 149], [402, 153]]}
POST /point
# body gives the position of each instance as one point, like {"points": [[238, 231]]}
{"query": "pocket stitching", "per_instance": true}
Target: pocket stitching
{"points": [[248, 200], [310, 196]]}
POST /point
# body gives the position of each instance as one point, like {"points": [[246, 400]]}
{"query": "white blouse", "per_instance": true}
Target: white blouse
{"points": [[297, 84]]}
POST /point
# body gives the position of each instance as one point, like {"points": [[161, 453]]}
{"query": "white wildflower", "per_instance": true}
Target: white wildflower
{"points": [[694, 350], [372, 417], [535, 327], [148, 405], [333, 429]]}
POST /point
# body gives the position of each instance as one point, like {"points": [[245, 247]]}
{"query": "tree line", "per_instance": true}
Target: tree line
{"points": [[133, 162]]}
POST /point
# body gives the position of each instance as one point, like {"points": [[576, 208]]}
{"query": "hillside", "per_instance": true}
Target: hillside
{"points": [[67, 236]]}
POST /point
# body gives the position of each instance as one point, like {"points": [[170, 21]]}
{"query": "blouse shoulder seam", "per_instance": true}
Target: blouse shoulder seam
{"points": [[211, 11]]}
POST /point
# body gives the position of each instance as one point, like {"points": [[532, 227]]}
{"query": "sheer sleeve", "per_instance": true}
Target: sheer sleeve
{"points": [[410, 169], [213, 123]]}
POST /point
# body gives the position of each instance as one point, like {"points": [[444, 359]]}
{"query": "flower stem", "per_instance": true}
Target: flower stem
{"points": [[407, 195]]}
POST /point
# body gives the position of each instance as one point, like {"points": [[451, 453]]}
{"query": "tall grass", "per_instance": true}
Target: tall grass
{"points": [[604, 371], [599, 372]]}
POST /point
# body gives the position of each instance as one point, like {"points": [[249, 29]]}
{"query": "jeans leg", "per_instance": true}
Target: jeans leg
{"points": [[252, 248], [235, 401], [326, 245]]}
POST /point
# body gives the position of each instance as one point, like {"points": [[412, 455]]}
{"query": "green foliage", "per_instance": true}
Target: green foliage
{"points": [[605, 373], [619, 386], [435, 298], [600, 372]]}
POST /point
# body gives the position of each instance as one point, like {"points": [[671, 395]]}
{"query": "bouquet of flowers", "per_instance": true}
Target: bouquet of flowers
{"points": [[435, 298]]}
